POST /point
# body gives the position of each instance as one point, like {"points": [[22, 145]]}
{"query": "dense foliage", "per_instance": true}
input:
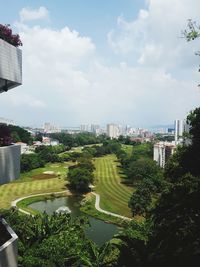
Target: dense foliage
{"points": [[52, 241], [80, 139], [42, 155], [80, 176], [50, 153], [30, 161], [12, 134], [18, 134], [5, 135], [172, 236]]}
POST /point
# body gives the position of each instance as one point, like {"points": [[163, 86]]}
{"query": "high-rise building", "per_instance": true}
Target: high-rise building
{"points": [[95, 128], [180, 126], [49, 128], [84, 128], [162, 152], [179, 129], [113, 130]]}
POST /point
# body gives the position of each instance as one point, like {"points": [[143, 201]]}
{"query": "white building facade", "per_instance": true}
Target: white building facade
{"points": [[162, 151], [113, 130]]}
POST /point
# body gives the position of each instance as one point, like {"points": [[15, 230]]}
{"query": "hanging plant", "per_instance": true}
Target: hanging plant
{"points": [[7, 35]]}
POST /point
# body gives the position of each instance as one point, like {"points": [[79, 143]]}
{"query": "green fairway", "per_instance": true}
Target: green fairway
{"points": [[114, 194], [128, 149], [27, 184]]}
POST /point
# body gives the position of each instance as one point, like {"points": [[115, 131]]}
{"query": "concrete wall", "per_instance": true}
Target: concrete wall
{"points": [[10, 65], [9, 163], [9, 250]]}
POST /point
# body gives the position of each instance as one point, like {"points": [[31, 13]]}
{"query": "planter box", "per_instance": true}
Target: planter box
{"points": [[9, 250], [10, 66], [9, 163]]}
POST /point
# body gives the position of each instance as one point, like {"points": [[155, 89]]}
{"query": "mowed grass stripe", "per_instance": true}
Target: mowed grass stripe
{"points": [[11, 191], [112, 180], [116, 184], [114, 191], [114, 194]]}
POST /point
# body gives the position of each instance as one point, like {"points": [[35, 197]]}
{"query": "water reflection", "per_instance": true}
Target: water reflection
{"points": [[99, 232]]}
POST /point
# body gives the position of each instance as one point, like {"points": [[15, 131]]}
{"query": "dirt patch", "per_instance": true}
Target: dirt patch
{"points": [[43, 176]]}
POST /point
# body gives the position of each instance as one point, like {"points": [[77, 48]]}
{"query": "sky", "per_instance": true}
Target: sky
{"points": [[99, 62]]}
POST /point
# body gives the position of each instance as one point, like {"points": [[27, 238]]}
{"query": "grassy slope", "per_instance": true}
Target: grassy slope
{"points": [[114, 194], [128, 149], [26, 185]]}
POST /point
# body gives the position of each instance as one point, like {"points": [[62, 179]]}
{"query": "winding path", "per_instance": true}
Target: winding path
{"points": [[14, 203], [97, 202]]}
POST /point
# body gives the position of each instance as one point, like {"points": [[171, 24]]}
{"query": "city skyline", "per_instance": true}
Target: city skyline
{"points": [[103, 62]]}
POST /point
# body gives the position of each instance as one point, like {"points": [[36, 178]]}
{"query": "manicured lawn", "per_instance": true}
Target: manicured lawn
{"points": [[128, 149], [114, 194], [27, 184]]}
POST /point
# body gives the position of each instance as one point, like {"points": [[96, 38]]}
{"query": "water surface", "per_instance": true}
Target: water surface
{"points": [[100, 231]]}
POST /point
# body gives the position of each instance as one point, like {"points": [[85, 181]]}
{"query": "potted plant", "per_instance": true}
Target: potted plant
{"points": [[7, 35], [10, 59]]}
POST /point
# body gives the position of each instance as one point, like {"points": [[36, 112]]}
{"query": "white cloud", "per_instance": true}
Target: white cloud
{"points": [[28, 14], [64, 81], [153, 38], [24, 99]]}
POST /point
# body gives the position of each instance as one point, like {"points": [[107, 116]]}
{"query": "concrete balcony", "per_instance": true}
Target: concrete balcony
{"points": [[9, 163], [10, 66], [8, 245]]}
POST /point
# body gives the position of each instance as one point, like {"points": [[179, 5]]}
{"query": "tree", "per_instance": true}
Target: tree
{"points": [[176, 217], [142, 168], [175, 239], [30, 162], [187, 158], [80, 179], [53, 241], [21, 134]]}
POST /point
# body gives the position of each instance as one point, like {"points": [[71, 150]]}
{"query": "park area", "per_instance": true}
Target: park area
{"points": [[109, 185], [41, 180], [114, 194]]}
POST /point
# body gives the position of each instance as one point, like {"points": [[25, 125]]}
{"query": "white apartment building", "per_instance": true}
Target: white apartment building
{"points": [[49, 128], [180, 126], [162, 151], [84, 128], [113, 130], [178, 130]]}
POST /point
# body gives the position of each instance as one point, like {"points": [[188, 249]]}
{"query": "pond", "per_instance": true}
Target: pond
{"points": [[100, 231]]}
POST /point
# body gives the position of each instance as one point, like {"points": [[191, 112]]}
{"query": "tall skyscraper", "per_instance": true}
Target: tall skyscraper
{"points": [[178, 130], [113, 130]]}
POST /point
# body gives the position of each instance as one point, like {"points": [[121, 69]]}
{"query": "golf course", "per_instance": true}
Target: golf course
{"points": [[108, 184]]}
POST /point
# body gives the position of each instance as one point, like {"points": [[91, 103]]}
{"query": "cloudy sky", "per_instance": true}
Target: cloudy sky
{"points": [[102, 61]]}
